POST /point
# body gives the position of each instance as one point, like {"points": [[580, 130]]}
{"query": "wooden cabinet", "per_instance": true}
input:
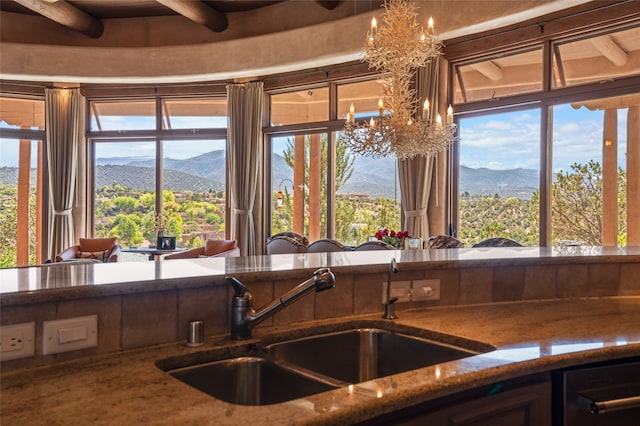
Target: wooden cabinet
{"points": [[525, 406], [522, 402]]}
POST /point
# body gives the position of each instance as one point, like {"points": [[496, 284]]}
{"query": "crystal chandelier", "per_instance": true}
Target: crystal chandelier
{"points": [[398, 47]]}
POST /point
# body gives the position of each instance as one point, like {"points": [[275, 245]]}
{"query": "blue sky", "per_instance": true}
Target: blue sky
{"points": [[511, 140]]}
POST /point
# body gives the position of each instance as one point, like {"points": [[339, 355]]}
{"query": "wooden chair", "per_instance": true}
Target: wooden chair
{"points": [[443, 241], [326, 245], [374, 245], [104, 250], [212, 248], [497, 242], [299, 238], [285, 245]]}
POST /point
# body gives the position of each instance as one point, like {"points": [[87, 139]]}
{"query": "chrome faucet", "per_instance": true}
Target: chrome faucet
{"points": [[389, 307], [244, 317]]}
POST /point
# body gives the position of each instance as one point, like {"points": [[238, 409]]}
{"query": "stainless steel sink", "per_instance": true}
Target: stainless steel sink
{"points": [[297, 367], [359, 355], [249, 381]]}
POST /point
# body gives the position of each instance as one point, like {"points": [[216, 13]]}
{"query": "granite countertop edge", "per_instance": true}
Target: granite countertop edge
{"points": [[195, 273]]}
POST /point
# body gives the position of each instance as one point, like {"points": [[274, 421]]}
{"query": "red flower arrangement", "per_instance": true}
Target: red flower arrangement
{"points": [[394, 238]]}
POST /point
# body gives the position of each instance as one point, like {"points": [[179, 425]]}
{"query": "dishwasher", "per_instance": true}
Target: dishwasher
{"points": [[599, 394]]}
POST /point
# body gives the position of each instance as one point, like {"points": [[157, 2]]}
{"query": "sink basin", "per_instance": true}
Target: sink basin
{"points": [[298, 367], [249, 381], [358, 355]]}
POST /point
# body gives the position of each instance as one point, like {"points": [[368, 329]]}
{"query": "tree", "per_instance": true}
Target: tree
{"points": [[8, 228], [127, 229], [576, 205], [344, 169], [125, 204]]}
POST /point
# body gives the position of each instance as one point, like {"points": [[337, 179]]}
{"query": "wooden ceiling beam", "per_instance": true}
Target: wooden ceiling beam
{"points": [[489, 69], [66, 14], [198, 12], [610, 49], [329, 4]]}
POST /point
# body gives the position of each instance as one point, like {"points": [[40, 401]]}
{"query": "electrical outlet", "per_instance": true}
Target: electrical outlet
{"points": [[399, 289], [425, 290], [17, 341], [70, 334]]}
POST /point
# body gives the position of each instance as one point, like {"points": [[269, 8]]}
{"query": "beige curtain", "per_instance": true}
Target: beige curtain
{"points": [[415, 173], [244, 162], [82, 210], [63, 134]]}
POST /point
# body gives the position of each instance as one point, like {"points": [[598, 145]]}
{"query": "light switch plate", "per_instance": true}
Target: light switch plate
{"points": [[70, 334], [17, 341]]}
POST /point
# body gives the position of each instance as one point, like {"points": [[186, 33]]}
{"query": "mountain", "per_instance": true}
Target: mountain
{"points": [[372, 176], [210, 165], [144, 178], [519, 183]]}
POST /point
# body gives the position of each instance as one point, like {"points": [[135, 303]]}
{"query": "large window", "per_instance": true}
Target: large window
{"points": [[299, 184], [586, 96], [584, 210], [21, 181], [319, 187], [499, 177], [169, 180]]}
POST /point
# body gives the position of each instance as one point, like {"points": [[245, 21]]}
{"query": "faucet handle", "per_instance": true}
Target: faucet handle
{"points": [[239, 288]]}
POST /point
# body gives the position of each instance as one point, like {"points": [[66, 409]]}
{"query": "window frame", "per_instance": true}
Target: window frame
{"points": [[38, 135], [158, 136], [331, 127], [550, 33]]}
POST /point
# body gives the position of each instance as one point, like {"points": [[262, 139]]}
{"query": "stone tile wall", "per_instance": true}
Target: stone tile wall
{"points": [[145, 319]]}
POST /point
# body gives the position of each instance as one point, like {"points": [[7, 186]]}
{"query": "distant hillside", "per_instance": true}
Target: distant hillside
{"points": [[519, 183], [143, 178], [210, 165], [372, 176]]}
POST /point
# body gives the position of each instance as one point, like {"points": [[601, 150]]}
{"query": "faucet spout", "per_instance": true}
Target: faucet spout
{"points": [[389, 308], [244, 317]]}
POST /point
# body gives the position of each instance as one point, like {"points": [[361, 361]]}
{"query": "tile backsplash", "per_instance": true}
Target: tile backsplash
{"points": [[143, 319]]}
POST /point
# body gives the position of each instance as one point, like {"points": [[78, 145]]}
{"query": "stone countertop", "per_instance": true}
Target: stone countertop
{"points": [[64, 281], [128, 388]]}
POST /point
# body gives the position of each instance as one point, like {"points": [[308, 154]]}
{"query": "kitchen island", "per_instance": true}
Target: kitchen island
{"points": [[530, 338], [541, 309]]}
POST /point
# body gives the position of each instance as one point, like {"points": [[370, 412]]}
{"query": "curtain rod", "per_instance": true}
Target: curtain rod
{"points": [[94, 86]]}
